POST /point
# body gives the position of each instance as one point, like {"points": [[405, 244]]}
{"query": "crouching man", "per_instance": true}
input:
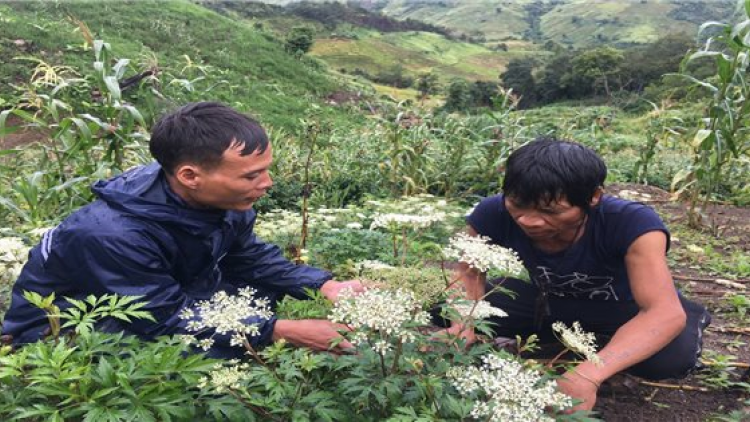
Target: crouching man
{"points": [[176, 232], [592, 258]]}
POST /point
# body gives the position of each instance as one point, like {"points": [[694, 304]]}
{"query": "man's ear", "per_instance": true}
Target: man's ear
{"points": [[188, 175], [597, 196]]}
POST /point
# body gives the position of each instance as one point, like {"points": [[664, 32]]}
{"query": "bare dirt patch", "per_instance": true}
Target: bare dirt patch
{"points": [[22, 136]]}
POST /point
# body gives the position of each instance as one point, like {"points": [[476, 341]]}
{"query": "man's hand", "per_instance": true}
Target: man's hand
{"points": [[331, 288], [317, 334], [578, 386], [457, 331]]}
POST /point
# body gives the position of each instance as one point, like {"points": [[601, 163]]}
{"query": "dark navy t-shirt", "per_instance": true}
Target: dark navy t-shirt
{"points": [[592, 268]]}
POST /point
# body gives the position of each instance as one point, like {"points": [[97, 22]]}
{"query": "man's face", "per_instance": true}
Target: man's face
{"points": [[556, 220], [236, 183]]}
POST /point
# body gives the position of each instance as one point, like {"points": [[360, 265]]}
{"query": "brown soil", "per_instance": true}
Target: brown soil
{"points": [[22, 136]]}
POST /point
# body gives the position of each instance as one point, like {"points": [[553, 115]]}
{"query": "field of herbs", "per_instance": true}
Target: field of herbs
{"points": [[383, 201]]}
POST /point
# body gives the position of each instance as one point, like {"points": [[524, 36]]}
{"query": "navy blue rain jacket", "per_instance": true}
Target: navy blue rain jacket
{"points": [[140, 239]]}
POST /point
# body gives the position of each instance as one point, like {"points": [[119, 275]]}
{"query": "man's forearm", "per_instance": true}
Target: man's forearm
{"points": [[636, 341]]}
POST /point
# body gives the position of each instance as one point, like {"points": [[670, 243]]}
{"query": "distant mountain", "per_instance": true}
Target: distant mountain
{"points": [[576, 23]]}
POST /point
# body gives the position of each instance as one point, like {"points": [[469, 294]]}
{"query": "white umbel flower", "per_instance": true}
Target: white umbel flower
{"points": [[476, 309], [228, 314], [384, 313], [13, 255], [507, 391], [370, 264], [225, 377], [577, 340], [482, 255], [393, 221]]}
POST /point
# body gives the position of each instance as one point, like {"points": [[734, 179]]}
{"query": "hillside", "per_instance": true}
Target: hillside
{"points": [[576, 23], [212, 56], [355, 40]]}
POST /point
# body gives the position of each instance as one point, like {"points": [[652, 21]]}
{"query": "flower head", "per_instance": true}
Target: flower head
{"points": [[476, 309], [13, 255], [393, 221], [228, 314], [482, 255], [225, 377], [384, 313], [507, 391], [577, 340]]}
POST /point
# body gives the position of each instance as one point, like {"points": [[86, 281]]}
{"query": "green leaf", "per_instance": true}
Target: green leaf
{"points": [[725, 68], [113, 86], [700, 136]]}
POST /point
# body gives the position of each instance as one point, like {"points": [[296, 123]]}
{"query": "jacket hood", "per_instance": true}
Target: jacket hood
{"points": [[144, 192]]}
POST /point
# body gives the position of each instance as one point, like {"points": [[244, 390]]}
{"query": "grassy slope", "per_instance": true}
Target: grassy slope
{"points": [[639, 21], [260, 77], [416, 51], [467, 16], [635, 22]]}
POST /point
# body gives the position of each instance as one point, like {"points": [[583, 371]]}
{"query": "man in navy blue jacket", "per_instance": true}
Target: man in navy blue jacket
{"points": [[175, 232]]}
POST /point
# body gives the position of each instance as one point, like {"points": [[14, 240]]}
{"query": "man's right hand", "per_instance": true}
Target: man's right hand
{"points": [[458, 331], [317, 334]]}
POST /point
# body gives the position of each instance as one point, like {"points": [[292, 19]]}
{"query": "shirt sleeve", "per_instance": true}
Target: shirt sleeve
{"points": [[488, 220], [134, 265], [252, 261], [633, 221]]}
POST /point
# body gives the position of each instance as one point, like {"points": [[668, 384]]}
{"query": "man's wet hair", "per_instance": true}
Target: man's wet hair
{"points": [[199, 133], [549, 169]]}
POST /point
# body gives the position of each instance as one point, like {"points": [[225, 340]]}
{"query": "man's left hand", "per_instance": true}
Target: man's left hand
{"points": [[580, 388], [331, 288]]}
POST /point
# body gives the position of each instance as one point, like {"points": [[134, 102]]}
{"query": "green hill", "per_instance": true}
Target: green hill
{"points": [[352, 39], [577, 23], [213, 56], [416, 52]]}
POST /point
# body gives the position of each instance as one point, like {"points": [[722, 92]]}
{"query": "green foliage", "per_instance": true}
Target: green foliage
{"points": [[458, 97], [88, 375], [339, 250], [721, 373], [722, 138], [518, 77], [599, 66], [100, 376], [299, 41], [315, 306], [427, 84], [273, 85]]}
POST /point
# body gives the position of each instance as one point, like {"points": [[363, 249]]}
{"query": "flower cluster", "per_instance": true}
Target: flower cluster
{"points": [[225, 313], [577, 340], [507, 391], [476, 309], [370, 264], [386, 313], [13, 255], [482, 255], [391, 221], [225, 377], [278, 224]]}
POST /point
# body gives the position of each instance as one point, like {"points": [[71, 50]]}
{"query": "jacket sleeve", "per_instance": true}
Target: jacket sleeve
{"points": [[252, 261], [134, 264]]}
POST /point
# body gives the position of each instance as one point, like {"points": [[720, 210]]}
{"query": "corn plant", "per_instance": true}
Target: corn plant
{"points": [[722, 138], [660, 130]]}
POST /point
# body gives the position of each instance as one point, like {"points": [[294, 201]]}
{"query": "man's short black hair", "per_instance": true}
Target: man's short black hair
{"points": [[199, 133], [548, 169]]}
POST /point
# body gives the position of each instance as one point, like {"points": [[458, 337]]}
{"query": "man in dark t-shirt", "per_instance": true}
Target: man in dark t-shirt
{"points": [[592, 258]]}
